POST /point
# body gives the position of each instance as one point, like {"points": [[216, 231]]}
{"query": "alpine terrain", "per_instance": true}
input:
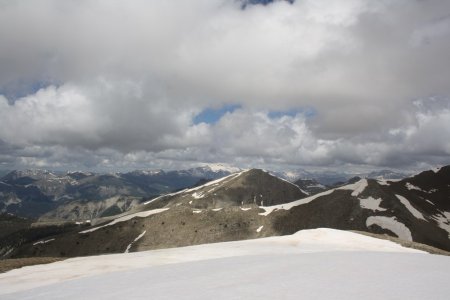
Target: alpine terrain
{"points": [[252, 204], [82, 196]]}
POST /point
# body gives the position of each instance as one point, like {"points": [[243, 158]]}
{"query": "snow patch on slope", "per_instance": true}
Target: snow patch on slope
{"points": [[141, 214], [287, 206], [429, 201], [443, 220], [409, 207], [357, 187], [198, 195], [135, 240], [391, 224], [371, 203], [43, 242], [410, 187]]}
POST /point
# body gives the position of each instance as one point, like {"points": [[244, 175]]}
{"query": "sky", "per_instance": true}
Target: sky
{"points": [[141, 84]]}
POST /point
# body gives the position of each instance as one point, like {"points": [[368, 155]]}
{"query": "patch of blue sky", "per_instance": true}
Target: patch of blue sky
{"points": [[21, 89], [307, 112], [212, 116]]}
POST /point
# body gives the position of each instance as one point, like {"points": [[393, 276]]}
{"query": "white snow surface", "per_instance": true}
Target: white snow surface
{"points": [[357, 187], [443, 220], [141, 214], [391, 224], [429, 201], [371, 203], [43, 242], [287, 206], [311, 264], [411, 208], [259, 228], [410, 186], [135, 240], [198, 195]]}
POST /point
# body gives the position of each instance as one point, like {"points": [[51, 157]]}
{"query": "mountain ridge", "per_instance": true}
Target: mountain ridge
{"points": [[194, 216]]}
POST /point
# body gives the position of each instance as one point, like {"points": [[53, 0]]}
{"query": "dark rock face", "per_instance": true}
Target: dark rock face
{"points": [[13, 243], [432, 185], [10, 223], [341, 210]]}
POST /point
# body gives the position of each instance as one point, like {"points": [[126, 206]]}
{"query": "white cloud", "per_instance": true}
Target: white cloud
{"points": [[128, 78]]}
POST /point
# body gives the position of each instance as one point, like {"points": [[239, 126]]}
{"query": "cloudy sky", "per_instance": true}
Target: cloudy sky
{"points": [[119, 85]]}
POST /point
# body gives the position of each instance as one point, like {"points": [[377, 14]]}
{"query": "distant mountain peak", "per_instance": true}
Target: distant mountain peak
{"points": [[217, 167], [249, 187]]}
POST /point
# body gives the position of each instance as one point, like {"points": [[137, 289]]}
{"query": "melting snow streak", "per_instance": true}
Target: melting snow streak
{"points": [[135, 240]]}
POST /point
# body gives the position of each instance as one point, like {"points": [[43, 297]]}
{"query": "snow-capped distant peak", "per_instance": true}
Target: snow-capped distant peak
{"points": [[147, 172], [291, 175], [220, 167], [85, 173]]}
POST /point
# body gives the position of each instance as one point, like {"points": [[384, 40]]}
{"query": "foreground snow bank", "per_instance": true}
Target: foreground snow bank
{"points": [[319, 264]]}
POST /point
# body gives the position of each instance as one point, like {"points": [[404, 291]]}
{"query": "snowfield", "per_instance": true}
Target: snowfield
{"points": [[311, 264]]}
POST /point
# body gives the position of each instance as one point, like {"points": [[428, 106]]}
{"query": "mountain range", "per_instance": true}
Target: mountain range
{"points": [[36, 193], [333, 178], [253, 204], [82, 196]]}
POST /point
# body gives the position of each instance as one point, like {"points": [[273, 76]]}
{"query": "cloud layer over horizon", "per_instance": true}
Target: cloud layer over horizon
{"points": [[118, 85]]}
